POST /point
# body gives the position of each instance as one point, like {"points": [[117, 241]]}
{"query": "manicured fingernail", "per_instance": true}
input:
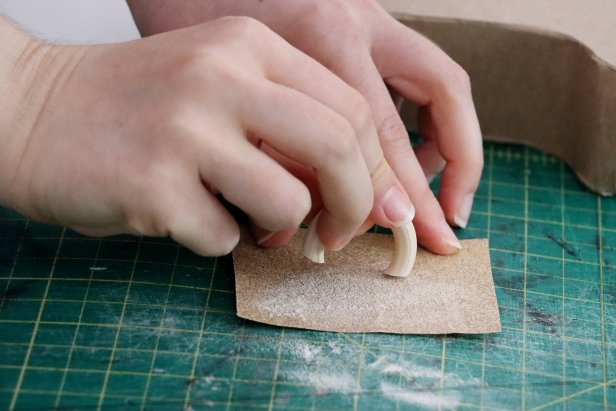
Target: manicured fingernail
{"points": [[397, 207], [343, 242], [464, 211], [430, 178]]}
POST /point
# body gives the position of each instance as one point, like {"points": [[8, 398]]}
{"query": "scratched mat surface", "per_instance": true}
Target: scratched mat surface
{"points": [[124, 323]]}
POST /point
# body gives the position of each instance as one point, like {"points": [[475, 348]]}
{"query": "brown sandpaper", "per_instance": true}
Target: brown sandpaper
{"points": [[350, 293], [543, 73]]}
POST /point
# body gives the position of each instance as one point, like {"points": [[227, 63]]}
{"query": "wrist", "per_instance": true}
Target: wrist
{"points": [[29, 72], [15, 46]]}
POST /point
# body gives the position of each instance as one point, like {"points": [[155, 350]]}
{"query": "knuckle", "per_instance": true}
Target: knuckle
{"points": [[422, 197], [475, 164], [342, 142], [342, 16], [299, 206], [364, 211], [326, 10], [287, 209], [191, 59], [361, 113], [243, 27], [224, 242], [392, 132], [202, 65], [470, 161], [459, 75], [358, 214], [151, 219], [240, 42], [454, 79]]}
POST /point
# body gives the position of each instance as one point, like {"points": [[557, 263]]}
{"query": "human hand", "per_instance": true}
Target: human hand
{"points": [[139, 137], [368, 49]]}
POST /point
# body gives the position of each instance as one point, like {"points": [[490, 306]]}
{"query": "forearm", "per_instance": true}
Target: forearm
{"points": [[157, 16]]}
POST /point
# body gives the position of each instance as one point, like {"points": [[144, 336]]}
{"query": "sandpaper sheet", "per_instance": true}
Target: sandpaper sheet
{"points": [[350, 293]]}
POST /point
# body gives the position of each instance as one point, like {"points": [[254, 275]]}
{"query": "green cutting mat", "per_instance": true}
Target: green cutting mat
{"points": [[123, 323]]}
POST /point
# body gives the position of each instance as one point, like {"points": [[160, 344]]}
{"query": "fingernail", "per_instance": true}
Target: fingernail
{"points": [[455, 244], [430, 178], [397, 207], [449, 237], [262, 235], [464, 211], [343, 242]]}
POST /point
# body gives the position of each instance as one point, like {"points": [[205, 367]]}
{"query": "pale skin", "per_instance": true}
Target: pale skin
{"points": [[371, 51], [140, 137]]}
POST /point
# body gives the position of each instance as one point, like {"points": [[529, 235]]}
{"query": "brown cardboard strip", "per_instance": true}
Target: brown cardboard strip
{"points": [[543, 73], [350, 293]]}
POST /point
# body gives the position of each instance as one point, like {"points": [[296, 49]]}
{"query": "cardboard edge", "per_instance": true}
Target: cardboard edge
{"points": [[400, 16], [594, 169], [587, 182]]}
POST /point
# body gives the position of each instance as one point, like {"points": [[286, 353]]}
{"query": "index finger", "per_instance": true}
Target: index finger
{"points": [[316, 81], [421, 72]]}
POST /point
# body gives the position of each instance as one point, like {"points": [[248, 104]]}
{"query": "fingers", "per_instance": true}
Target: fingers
{"points": [[303, 173], [327, 143], [391, 201], [428, 153], [315, 81], [306, 175], [432, 229], [197, 220], [421, 72], [273, 198], [272, 239]]}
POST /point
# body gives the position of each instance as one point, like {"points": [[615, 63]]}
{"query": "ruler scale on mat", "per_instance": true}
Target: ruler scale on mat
{"points": [[124, 323]]}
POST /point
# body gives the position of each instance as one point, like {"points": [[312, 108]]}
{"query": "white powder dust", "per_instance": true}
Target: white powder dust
{"points": [[419, 384], [316, 371], [325, 381], [422, 398], [334, 347]]}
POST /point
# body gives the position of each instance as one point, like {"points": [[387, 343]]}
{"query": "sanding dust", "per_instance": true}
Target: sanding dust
{"points": [[406, 381], [314, 368], [412, 383], [334, 347], [325, 382], [425, 399], [350, 293]]}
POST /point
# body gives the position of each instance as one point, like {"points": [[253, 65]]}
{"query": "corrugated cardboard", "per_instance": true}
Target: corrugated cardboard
{"points": [[543, 73], [350, 293]]}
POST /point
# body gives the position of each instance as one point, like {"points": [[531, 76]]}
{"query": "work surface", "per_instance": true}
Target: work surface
{"points": [[124, 323]]}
